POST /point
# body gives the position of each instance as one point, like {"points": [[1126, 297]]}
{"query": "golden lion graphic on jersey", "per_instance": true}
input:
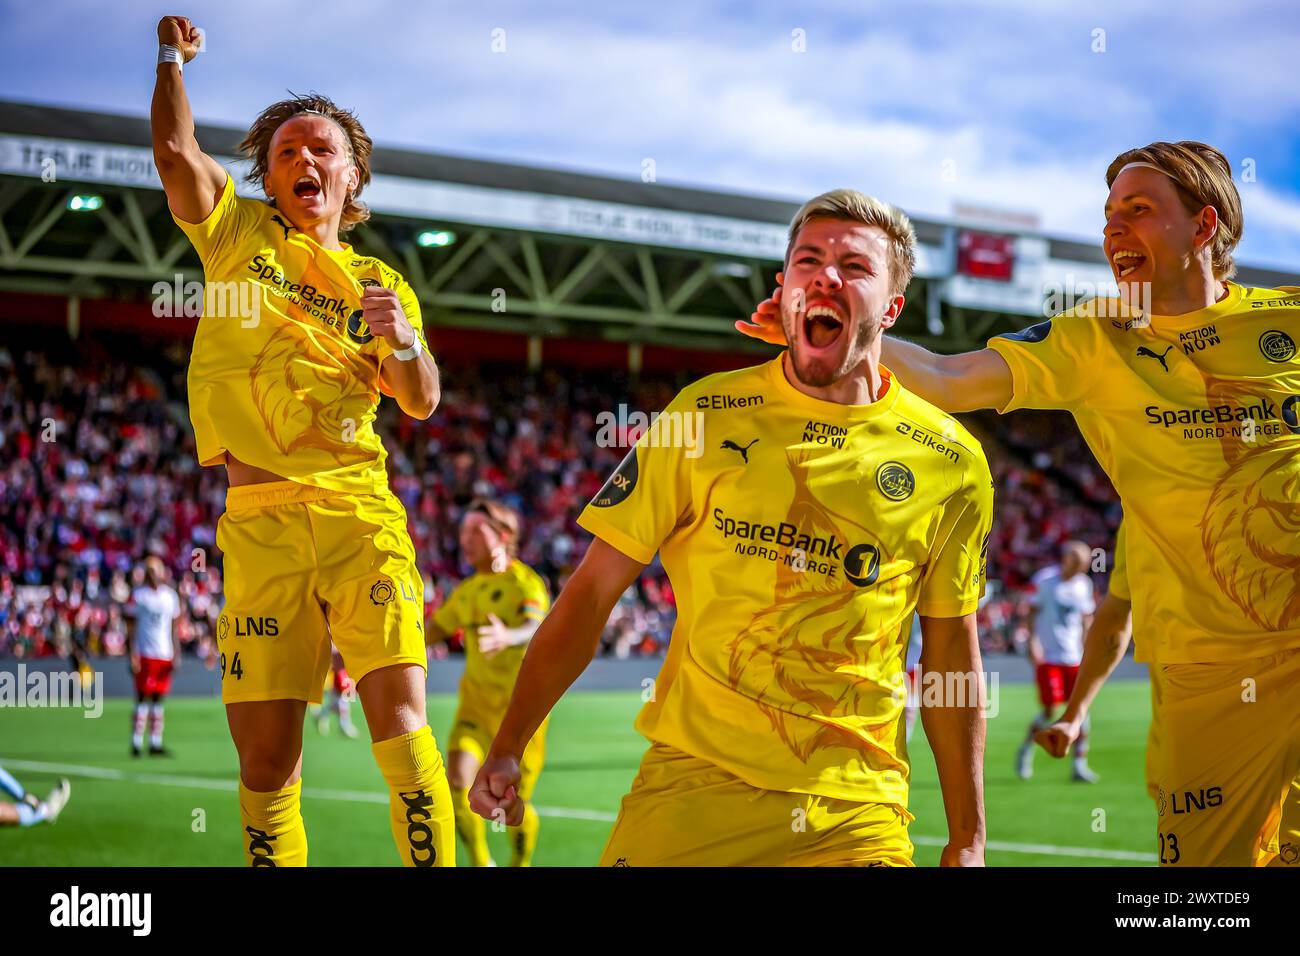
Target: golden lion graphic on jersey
{"points": [[313, 396], [1251, 527], [814, 645]]}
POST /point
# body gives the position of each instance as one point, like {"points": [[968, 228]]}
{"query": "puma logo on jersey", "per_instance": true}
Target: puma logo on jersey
{"points": [[1144, 352], [730, 445], [283, 225]]}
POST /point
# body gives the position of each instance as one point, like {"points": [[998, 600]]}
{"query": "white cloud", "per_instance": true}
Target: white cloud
{"points": [[1010, 91]]}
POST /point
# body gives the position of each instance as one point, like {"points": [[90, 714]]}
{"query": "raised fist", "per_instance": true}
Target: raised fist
{"points": [[180, 33]]}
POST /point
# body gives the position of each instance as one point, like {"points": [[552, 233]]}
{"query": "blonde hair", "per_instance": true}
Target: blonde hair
{"points": [[257, 145], [1202, 177], [502, 517], [849, 204]]}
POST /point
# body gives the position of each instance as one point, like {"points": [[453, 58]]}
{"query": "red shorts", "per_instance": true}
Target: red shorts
{"points": [[155, 676], [1056, 682]]}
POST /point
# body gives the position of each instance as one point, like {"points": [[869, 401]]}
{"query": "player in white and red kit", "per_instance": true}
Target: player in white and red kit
{"points": [[154, 646], [341, 690], [1064, 605]]}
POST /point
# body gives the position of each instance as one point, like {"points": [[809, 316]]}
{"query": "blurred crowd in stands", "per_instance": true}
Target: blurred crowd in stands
{"points": [[98, 470]]}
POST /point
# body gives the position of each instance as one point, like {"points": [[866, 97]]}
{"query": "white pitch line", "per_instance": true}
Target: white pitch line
{"points": [[571, 813], [1046, 849]]}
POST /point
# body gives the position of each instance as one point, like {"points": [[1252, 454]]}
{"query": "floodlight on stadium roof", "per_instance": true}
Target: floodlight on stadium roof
{"points": [[435, 238]]}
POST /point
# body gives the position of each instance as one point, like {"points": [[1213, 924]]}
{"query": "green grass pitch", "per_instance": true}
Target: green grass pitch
{"points": [[148, 811]]}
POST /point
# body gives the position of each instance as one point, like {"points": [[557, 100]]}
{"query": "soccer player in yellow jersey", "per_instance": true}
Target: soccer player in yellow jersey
{"points": [[1187, 389], [299, 337], [499, 607], [823, 506]]}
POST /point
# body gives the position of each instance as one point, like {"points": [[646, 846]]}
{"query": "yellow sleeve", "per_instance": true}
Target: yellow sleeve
{"points": [[535, 600], [528, 598], [953, 582], [230, 221], [646, 497], [453, 614], [1048, 361], [1119, 569]]}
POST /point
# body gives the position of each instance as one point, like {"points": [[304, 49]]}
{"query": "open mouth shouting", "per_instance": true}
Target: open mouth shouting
{"points": [[306, 188], [1126, 262], [823, 324]]}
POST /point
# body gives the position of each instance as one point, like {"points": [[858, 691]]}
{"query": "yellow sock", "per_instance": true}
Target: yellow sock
{"points": [[523, 838], [273, 831], [419, 800], [470, 826]]}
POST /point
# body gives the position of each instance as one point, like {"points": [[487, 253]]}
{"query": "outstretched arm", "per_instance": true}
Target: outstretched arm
{"points": [[192, 180], [954, 383], [560, 650]]}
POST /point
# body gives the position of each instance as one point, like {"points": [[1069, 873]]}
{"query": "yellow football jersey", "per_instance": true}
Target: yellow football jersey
{"points": [[284, 373], [516, 595], [799, 536], [1194, 418]]}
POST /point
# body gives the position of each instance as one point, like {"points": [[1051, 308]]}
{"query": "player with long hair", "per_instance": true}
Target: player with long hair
{"points": [[300, 336], [1187, 389]]}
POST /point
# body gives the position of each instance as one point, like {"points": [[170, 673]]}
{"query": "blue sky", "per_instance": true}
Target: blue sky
{"points": [[999, 102]]}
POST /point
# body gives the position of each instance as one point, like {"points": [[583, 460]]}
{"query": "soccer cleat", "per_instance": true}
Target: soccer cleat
{"points": [[1084, 774], [159, 752], [348, 730], [1025, 761], [57, 800], [135, 751], [323, 725]]}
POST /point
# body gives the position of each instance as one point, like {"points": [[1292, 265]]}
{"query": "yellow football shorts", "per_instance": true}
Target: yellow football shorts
{"points": [[1153, 744], [474, 727], [684, 811], [303, 566], [1226, 761]]}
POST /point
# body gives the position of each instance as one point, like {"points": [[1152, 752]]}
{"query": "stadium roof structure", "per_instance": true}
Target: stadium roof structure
{"points": [[509, 248]]}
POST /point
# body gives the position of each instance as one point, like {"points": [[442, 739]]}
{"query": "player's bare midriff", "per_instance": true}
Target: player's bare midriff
{"points": [[241, 474]]}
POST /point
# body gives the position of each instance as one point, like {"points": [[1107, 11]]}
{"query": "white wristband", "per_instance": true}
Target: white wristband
{"points": [[167, 53], [407, 354]]}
